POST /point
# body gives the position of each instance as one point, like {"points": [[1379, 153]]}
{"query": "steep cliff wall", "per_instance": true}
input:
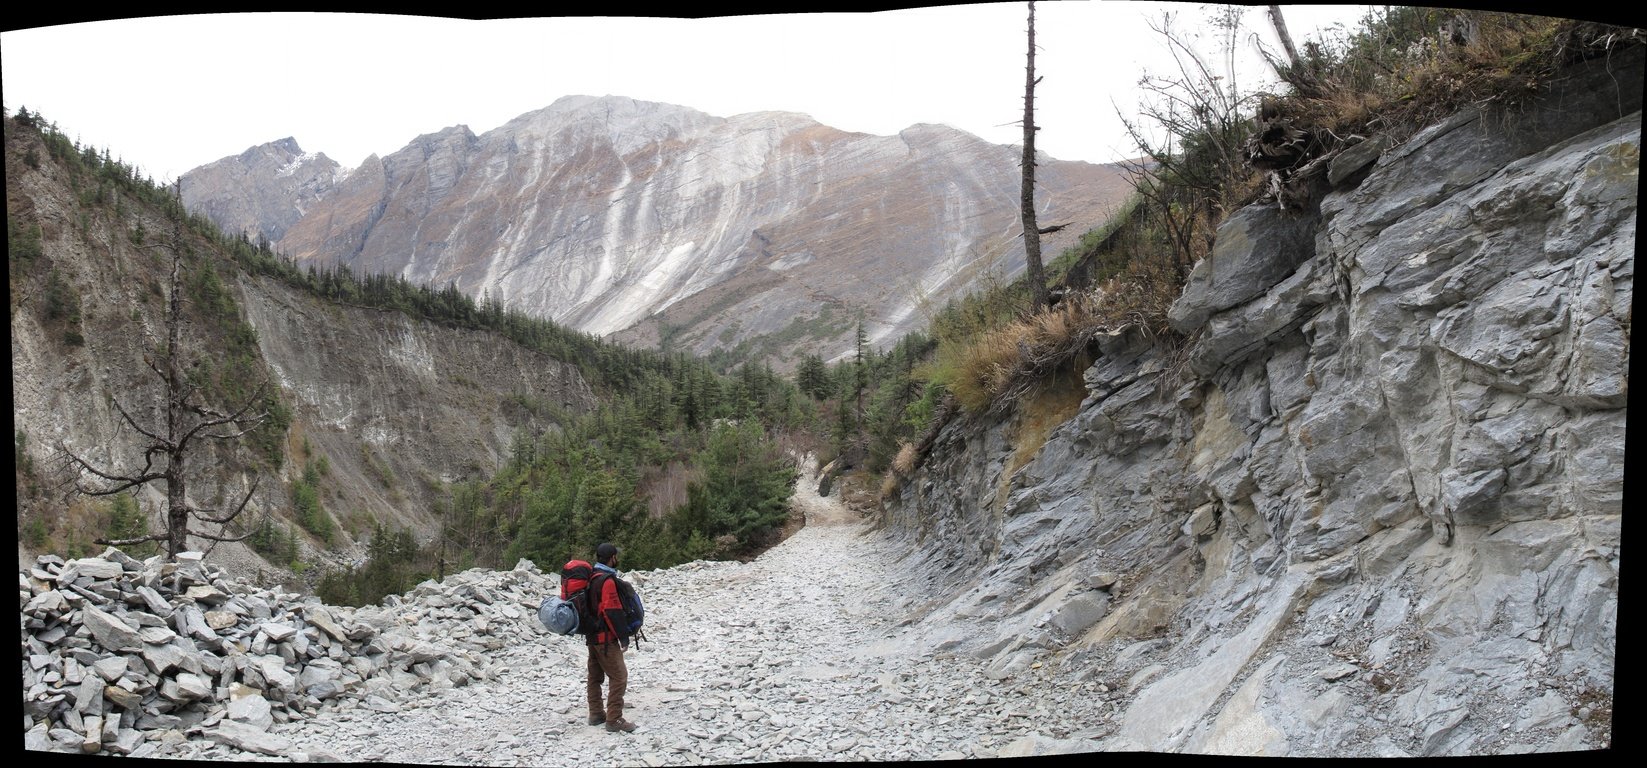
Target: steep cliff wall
{"points": [[395, 405], [399, 405], [1373, 505]]}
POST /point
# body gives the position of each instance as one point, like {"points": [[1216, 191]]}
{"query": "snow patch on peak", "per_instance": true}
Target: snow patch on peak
{"points": [[459, 131], [610, 101], [572, 102], [295, 163], [943, 136], [932, 129], [627, 123], [616, 108]]}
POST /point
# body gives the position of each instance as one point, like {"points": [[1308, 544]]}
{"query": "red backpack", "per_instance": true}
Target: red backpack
{"points": [[571, 612], [574, 578]]}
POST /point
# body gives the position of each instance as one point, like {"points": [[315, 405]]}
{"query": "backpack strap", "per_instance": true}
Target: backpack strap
{"points": [[591, 604]]}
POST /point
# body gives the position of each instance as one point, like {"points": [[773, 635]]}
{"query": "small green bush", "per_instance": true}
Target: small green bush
{"points": [[34, 532], [22, 242], [126, 521]]}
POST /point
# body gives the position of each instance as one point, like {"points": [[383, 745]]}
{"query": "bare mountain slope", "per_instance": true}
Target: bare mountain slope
{"points": [[395, 405], [601, 213], [262, 191]]}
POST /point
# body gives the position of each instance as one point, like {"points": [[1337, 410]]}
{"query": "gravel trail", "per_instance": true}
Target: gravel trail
{"points": [[793, 656]]}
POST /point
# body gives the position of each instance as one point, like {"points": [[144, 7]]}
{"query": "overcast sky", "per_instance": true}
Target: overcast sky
{"points": [[169, 94]]}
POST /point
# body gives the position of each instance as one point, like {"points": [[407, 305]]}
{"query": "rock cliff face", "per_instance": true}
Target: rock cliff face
{"points": [[395, 405], [614, 215], [401, 405], [1373, 505], [263, 191]]}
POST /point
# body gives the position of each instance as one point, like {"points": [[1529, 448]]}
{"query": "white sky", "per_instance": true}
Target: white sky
{"points": [[169, 94]]}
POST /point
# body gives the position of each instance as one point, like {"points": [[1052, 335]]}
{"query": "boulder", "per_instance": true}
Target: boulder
{"points": [[1256, 248], [1080, 612], [249, 738], [109, 631], [247, 705], [122, 698]]}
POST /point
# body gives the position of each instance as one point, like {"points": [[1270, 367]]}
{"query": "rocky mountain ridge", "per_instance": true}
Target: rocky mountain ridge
{"points": [[662, 224], [262, 191]]}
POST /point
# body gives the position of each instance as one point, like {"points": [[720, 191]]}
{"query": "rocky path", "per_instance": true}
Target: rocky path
{"points": [[796, 655]]}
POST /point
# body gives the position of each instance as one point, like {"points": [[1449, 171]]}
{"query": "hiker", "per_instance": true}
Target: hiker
{"points": [[606, 646]]}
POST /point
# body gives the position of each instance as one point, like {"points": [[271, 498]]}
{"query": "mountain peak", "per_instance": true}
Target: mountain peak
{"points": [[602, 211], [263, 190], [282, 149], [612, 105]]}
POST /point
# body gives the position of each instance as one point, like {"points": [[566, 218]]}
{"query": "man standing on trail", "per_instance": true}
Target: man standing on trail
{"points": [[607, 644]]}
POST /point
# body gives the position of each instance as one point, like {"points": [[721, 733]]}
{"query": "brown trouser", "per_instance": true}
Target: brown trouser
{"points": [[606, 661]]}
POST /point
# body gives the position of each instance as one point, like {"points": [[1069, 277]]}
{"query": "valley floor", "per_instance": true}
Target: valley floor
{"points": [[795, 655]]}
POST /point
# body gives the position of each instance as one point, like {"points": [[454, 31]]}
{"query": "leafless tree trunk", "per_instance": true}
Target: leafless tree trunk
{"points": [[1032, 235], [185, 421], [1280, 24]]}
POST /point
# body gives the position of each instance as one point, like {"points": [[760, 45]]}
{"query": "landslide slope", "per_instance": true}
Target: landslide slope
{"points": [[394, 405]]}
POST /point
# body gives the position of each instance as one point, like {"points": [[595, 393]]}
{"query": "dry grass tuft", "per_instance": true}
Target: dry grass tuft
{"points": [[1002, 364], [890, 485], [904, 463], [1409, 66]]}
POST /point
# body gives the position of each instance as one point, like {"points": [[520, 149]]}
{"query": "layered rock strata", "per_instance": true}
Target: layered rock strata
{"points": [[1372, 505]]}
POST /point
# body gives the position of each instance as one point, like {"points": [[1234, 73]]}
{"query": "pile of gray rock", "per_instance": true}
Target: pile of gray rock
{"points": [[129, 657]]}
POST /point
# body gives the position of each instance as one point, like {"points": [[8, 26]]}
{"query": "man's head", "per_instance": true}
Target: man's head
{"points": [[606, 553]]}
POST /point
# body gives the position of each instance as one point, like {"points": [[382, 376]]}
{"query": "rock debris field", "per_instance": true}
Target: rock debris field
{"points": [[796, 655]]}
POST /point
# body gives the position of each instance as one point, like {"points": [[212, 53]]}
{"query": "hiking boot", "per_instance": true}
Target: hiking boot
{"points": [[597, 719], [621, 724]]}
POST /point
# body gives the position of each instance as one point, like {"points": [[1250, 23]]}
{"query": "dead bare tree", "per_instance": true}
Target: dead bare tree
{"points": [[1032, 235], [1189, 178], [1295, 70], [1279, 22], [187, 420]]}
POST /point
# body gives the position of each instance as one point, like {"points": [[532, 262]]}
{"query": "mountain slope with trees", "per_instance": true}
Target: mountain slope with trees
{"points": [[390, 406]]}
